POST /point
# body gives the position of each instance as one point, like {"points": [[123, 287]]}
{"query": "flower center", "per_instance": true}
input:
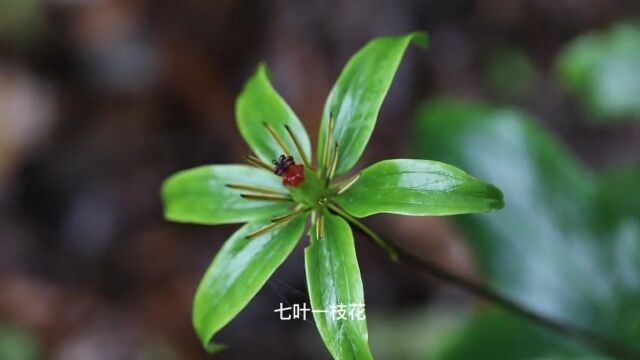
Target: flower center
{"points": [[292, 174]]}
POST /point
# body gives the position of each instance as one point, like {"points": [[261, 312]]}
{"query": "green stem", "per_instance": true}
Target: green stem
{"points": [[385, 245], [607, 346]]}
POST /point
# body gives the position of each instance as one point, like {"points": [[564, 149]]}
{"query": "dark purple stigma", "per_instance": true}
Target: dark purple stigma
{"points": [[282, 164]]}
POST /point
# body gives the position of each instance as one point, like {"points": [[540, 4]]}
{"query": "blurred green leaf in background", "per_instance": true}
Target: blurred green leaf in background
{"points": [[603, 70], [508, 72], [21, 21], [500, 335], [566, 245], [16, 344]]}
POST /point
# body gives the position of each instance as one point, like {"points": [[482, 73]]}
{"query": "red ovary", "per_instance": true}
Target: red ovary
{"points": [[293, 176]]}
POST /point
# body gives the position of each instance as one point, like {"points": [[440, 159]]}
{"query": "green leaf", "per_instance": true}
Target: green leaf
{"points": [[17, 344], [238, 271], [200, 195], [508, 72], [603, 70], [333, 279], [546, 249], [418, 187], [356, 97], [498, 335], [618, 196], [260, 103]]}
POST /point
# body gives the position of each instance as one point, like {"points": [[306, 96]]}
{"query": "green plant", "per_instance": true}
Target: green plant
{"points": [[277, 214], [566, 247], [16, 344], [602, 69], [509, 73]]}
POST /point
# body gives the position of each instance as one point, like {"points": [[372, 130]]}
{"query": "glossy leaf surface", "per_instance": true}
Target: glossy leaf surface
{"points": [[200, 195], [357, 96], [333, 279], [238, 271], [260, 103], [418, 187]]}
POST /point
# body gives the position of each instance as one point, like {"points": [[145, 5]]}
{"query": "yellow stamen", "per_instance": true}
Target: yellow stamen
{"points": [[278, 139], [255, 189], [296, 142], [252, 160], [334, 163], [328, 142], [270, 227], [320, 227], [266, 197], [288, 216], [344, 186]]}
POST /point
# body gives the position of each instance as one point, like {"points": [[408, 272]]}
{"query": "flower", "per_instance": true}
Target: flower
{"points": [[277, 209]]}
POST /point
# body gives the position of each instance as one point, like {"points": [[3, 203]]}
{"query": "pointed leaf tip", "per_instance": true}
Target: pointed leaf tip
{"points": [[260, 103], [420, 188], [356, 98], [419, 38], [238, 272]]}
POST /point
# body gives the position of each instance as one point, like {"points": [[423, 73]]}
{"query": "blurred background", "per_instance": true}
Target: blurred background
{"points": [[100, 100]]}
